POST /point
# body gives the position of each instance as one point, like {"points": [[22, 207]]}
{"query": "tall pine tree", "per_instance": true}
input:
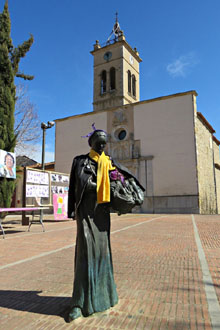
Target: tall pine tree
{"points": [[9, 69]]}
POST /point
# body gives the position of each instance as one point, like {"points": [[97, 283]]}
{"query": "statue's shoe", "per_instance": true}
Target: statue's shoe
{"points": [[74, 314]]}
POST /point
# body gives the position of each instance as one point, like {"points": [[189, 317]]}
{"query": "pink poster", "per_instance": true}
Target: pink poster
{"points": [[60, 206]]}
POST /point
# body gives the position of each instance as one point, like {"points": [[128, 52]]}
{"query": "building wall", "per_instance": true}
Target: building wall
{"points": [[69, 141], [206, 171], [165, 129], [167, 147], [19, 189], [216, 152], [217, 178], [134, 69], [159, 148], [217, 172]]}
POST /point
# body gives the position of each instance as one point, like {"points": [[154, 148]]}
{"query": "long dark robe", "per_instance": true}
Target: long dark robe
{"points": [[94, 286]]}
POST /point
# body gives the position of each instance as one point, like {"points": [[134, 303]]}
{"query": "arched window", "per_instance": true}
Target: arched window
{"points": [[103, 81], [133, 85], [112, 79], [129, 81]]}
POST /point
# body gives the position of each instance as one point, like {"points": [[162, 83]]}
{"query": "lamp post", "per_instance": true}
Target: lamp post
{"points": [[44, 126]]}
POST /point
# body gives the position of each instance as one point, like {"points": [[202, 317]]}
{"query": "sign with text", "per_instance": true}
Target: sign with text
{"points": [[37, 191], [37, 177]]}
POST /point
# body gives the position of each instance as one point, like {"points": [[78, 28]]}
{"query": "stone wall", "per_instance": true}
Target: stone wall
{"points": [[172, 204], [217, 170], [205, 166], [216, 151], [217, 178]]}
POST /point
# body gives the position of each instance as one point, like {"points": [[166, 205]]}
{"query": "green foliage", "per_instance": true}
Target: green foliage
{"points": [[17, 54], [9, 69], [7, 187]]}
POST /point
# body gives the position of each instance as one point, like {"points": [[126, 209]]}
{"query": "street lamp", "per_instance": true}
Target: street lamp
{"points": [[44, 126]]}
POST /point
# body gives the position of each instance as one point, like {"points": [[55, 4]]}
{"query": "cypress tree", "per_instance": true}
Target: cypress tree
{"points": [[9, 69]]}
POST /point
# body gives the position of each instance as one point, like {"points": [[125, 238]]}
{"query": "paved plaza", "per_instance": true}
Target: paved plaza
{"points": [[167, 271]]}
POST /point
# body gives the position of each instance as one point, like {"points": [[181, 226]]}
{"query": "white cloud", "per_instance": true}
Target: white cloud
{"points": [[181, 66]]}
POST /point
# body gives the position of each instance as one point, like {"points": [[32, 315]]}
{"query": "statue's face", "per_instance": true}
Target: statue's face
{"points": [[98, 142]]}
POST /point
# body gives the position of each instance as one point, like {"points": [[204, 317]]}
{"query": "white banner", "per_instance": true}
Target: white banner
{"points": [[37, 177], [37, 191]]}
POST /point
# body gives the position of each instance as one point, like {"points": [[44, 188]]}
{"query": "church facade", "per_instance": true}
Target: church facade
{"points": [[165, 142]]}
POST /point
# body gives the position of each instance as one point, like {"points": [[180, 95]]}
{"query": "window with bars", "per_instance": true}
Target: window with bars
{"points": [[133, 85], [112, 79], [103, 81], [129, 81]]}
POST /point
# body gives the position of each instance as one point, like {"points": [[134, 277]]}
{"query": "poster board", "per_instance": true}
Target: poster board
{"points": [[59, 183], [37, 187], [7, 164], [41, 185], [60, 202]]}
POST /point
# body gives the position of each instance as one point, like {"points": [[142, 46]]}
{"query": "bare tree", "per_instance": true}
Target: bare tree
{"points": [[27, 123]]}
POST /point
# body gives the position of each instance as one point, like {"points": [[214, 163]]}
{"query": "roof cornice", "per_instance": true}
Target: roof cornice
{"points": [[115, 44], [205, 122], [192, 92]]}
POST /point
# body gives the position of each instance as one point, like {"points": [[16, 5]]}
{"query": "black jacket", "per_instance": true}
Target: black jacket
{"points": [[79, 176]]}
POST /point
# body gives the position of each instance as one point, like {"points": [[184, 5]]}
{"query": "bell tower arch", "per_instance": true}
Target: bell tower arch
{"points": [[116, 72]]}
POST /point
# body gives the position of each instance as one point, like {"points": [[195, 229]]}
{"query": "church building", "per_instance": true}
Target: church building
{"points": [[165, 141]]}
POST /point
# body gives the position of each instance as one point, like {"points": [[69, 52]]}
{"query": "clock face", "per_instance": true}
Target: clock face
{"points": [[131, 59], [107, 56]]}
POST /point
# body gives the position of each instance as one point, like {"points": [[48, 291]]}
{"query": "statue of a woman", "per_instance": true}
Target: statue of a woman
{"points": [[94, 287]]}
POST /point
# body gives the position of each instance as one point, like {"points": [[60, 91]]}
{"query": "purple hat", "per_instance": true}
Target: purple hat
{"points": [[89, 135]]}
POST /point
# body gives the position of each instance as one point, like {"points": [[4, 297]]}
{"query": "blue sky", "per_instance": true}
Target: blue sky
{"points": [[178, 42]]}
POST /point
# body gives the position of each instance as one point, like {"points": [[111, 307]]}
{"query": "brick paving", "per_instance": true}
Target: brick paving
{"points": [[156, 265]]}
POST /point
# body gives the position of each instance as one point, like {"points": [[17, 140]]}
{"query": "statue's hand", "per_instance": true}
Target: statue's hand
{"points": [[91, 186], [73, 215]]}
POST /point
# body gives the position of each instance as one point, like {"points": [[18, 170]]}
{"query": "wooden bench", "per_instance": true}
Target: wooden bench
{"points": [[23, 209]]}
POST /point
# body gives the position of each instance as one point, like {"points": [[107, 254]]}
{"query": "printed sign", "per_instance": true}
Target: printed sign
{"points": [[60, 206], [7, 164], [37, 191], [59, 178], [37, 177], [59, 189]]}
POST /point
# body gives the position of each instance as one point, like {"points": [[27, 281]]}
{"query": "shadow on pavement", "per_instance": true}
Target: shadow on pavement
{"points": [[31, 301], [8, 232]]}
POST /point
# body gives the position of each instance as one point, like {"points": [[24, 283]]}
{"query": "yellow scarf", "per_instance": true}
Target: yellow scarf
{"points": [[103, 182]]}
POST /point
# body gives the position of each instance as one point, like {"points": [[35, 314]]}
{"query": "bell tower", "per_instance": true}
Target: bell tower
{"points": [[116, 72]]}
